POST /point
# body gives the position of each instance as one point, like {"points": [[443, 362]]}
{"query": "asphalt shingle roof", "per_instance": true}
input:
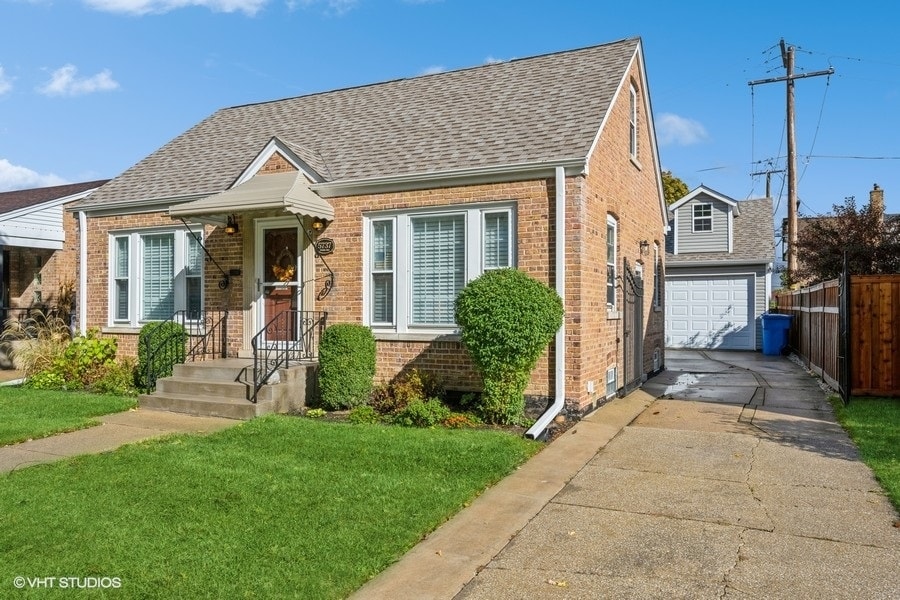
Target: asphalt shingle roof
{"points": [[10, 201], [523, 111], [754, 237]]}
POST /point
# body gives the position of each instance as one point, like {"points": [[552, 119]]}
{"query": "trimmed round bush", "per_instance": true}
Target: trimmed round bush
{"points": [[161, 345], [346, 365], [507, 319]]}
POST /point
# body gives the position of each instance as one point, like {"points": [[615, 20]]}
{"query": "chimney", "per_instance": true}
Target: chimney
{"points": [[876, 201]]}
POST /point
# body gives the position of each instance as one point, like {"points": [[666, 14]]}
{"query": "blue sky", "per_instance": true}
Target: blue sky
{"points": [[89, 87]]}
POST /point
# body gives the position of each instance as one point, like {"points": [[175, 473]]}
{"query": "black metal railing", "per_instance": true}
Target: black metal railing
{"points": [[291, 337], [201, 335]]}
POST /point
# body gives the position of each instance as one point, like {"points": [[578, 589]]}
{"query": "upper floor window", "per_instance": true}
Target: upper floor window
{"points": [[702, 217], [612, 232], [633, 123], [440, 250], [154, 274]]}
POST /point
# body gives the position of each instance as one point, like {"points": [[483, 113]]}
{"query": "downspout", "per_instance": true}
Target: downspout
{"points": [[538, 429], [82, 273]]}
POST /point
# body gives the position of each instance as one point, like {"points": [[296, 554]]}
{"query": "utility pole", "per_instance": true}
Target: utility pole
{"points": [[787, 59], [768, 174]]}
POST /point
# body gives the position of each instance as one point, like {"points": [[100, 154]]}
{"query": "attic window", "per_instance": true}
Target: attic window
{"points": [[702, 217], [633, 124]]}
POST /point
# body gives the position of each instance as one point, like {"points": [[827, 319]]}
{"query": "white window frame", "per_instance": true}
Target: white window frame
{"points": [[706, 206], [135, 274], [633, 123], [474, 259], [612, 381], [611, 263]]}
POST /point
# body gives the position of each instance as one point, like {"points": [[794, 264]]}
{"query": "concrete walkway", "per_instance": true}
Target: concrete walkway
{"points": [[116, 429], [735, 483]]}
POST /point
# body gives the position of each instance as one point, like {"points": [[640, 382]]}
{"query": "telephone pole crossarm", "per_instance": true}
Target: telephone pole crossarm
{"points": [[829, 71]]}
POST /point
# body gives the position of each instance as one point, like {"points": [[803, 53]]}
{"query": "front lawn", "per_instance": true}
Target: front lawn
{"points": [[29, 414], [874, 425], [278, 507]]}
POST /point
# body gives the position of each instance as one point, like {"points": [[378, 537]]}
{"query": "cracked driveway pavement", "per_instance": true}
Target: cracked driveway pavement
{"points": [[736, 482]]}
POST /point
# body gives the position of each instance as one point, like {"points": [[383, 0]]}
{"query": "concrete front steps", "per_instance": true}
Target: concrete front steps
{"points": [[223, 387]]}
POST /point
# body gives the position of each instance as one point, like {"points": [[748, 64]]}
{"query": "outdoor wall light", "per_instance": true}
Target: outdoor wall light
{"points": [[645, 246], [318, 224], [231, 227]]}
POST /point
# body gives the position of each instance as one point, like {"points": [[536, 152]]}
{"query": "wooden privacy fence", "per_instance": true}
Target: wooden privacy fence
{"points": [[872, 313]]}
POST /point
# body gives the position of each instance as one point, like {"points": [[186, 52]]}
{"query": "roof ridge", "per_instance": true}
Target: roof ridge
{"points": [[429, 75]]}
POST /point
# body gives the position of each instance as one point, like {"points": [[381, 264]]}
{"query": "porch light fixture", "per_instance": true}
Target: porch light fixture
{"points": [[318, 224], [645, 247], [231, 227]]}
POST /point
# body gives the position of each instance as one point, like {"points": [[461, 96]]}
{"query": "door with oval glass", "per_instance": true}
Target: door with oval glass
{"points": [[278, 279]]}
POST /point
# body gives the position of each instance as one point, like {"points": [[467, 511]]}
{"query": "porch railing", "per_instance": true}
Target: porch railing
{"points": [[291, 337], [203, 334]]}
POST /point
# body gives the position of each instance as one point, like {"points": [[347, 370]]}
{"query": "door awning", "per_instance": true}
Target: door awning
{"points": [[282, 191]]}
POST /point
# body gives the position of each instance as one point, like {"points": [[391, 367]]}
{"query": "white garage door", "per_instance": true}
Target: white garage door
{"points": [[710, 312]]}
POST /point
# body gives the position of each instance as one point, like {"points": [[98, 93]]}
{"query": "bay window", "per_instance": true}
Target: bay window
{"points": [[417, 262]]}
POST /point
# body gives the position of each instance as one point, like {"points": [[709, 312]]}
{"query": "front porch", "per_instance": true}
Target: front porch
{"points": [[279, 375]]}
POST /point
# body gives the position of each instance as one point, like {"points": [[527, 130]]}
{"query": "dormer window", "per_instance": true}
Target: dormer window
{"points": [[633, 123], [702, 217]]}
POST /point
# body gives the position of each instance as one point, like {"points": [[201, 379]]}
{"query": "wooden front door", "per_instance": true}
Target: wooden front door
{"points": [[278, 278]]}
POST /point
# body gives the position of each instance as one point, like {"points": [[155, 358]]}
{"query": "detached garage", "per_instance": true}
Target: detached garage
{"points": [[711, 312], [719, 258]]}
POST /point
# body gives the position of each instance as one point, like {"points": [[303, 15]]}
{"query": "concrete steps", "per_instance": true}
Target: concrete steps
{"points": [[223, 388]]}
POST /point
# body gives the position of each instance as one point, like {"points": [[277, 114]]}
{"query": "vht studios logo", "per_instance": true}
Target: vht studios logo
{"points": [[72, 583]]}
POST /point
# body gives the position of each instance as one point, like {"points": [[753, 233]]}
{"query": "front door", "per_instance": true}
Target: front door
{"points": [[278, 279]]}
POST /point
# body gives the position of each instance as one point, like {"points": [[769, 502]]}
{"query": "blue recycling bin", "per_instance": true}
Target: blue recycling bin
{"points": [[775, 333]]}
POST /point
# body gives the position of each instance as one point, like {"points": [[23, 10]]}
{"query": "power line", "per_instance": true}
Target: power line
{"points": [[818, 124]]}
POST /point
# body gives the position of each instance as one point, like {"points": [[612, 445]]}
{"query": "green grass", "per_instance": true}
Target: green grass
{"points": [[29, 414], [279, 507], [874, 425]]}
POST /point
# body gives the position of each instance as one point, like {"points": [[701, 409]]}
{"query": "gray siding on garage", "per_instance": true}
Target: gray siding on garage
{"points": [[702, 241], [759, 285]]}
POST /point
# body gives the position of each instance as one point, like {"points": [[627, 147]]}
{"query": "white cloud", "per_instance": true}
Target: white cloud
{"points": [[65, 82], [433, 70], [144, 7], [5, 82], [15, 177], [680, 131], [490, 60]]}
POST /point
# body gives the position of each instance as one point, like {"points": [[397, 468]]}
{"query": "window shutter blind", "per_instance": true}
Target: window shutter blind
{"points": [[438, 268], [496, 240], [121, 277], [382, 276], [159, 276]]}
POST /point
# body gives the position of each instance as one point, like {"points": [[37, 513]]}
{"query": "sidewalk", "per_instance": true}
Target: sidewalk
{"points": [[736, 482], [116, 429]]}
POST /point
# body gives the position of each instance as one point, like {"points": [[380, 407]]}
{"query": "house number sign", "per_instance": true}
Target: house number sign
{"points": [[324, 246]]}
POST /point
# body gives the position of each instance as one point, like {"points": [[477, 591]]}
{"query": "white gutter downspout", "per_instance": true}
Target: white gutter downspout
{"points": [[82, 273], [559, 378]]}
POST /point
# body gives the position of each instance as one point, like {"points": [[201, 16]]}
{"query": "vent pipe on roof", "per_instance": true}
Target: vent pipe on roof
{"points": [[537, 430]]}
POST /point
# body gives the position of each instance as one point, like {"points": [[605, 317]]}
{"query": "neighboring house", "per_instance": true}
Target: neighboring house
{"points": [[412, 187], [719, 258], [37, 257]]}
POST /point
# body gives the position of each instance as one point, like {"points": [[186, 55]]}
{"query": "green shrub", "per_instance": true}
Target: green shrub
{"points": [[422, 413], [414, 384], [48, 380], [315, 413], [364, 414], [116, 379], [160, 346], [346, 365], [86, 358], [507, 319]]}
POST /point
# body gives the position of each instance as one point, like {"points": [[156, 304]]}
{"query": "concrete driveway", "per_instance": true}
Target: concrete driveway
{"points": [[735, 482]]}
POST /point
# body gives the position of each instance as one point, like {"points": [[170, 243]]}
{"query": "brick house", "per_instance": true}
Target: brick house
{"points": [[377, 203]]}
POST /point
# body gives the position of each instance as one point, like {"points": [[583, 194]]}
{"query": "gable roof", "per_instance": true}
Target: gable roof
{"points": [[705, 191], [11, 201], [754, 237], [522, 112]]}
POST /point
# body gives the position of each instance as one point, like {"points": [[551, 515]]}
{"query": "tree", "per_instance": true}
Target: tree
{"points": [[871, 241], [674, 189]]}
